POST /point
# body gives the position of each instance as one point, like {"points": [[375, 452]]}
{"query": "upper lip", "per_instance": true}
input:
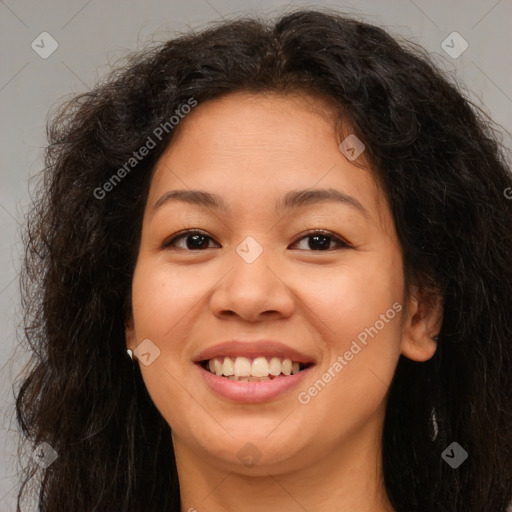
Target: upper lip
{"points": [[255, 348]]}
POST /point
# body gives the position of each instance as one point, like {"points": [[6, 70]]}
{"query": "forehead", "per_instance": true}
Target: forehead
{"points": [[259, 146], [225, 123]]}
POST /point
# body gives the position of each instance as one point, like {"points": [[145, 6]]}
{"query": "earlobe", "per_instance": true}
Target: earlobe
{"points": [[424, 317]]}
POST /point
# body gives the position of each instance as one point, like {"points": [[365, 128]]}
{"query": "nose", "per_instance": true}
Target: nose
{"points": [[253, 290]]}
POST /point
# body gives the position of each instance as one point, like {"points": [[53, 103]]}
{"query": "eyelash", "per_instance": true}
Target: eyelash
{"points": [[342, 243]]}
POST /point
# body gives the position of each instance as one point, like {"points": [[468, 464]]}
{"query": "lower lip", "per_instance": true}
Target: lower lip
{"points": [[252, 391]]}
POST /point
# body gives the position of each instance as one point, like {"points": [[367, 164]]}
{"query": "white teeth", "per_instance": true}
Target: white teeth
{"points": [[242, 367], [275, 366], [286, 367], [218, 367], [261, 368], [228, 367]]}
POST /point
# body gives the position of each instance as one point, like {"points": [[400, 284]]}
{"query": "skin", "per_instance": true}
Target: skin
{"points": [[322, 456]]}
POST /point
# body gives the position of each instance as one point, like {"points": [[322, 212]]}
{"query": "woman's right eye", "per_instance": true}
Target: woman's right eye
{"points": [[194, 240]]}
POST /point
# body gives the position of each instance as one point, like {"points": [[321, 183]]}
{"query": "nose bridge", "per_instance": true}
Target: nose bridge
{"points": [[253, 286], [250, 249], [251, 274]]}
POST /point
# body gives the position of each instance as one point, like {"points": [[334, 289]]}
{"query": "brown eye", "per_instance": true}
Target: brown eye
{"points": [[194, 240], [321, 241]]}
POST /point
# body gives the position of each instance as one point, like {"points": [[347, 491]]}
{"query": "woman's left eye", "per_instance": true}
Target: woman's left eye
{"points": [[322, 240], [318, 241]]}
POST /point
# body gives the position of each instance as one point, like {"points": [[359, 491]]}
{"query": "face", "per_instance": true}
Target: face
{"points": [[288, 252]]}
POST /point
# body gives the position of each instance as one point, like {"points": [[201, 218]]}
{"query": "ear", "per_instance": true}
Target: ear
{"points": [[423, 320]]}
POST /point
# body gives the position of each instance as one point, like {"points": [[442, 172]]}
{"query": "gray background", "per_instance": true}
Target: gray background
{"points": [[92, 34]]}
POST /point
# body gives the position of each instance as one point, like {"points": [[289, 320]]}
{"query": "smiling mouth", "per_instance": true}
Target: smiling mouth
{"points": [[253, 369]]}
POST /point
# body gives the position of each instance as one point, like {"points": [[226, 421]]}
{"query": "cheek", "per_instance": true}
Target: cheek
{"points": [[360, 309], [162, 296], [361, 331], [164, 301], [156, 310], [347, 301]]}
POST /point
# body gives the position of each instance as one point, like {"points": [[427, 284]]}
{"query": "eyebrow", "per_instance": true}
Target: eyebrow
{"points": [[291, 200]]}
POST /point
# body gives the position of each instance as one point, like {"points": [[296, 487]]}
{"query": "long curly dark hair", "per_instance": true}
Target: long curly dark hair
{"points": [[445, 174]]}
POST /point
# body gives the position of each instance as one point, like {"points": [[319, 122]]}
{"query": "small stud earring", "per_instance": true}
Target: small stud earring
{"points": [[130, 353]]}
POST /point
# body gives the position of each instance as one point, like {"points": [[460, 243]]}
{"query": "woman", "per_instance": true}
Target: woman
{"points": [[300, 236]]}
